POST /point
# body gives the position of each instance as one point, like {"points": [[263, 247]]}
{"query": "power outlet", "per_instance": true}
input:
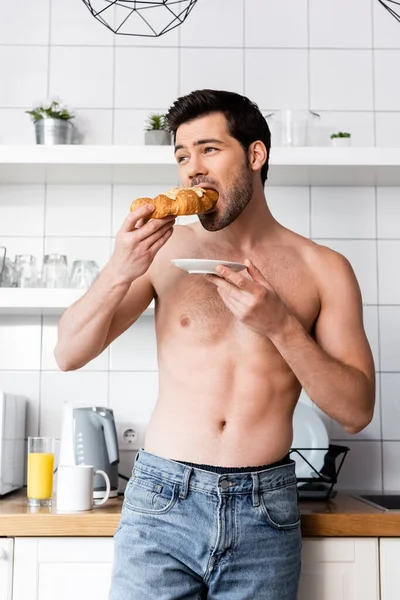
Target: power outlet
{"points": [[131, 436]]}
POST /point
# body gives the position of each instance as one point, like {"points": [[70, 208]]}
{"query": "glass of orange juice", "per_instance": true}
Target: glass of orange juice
{"points": [[40, 470]]}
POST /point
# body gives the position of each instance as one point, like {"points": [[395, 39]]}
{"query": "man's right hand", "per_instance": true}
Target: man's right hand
{"points": [[138, 241]]}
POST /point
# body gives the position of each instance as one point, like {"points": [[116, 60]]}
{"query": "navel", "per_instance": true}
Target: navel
{"points": [[222, 425]]}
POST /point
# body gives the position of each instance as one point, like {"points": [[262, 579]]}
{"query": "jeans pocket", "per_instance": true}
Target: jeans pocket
{"points": [[280, 506], [149, 495]]}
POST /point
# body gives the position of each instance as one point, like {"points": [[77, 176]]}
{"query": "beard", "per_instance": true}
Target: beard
{"points": [[236, 196]]}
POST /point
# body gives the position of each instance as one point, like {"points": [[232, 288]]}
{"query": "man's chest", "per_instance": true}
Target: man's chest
{"points": [[191, 301]]}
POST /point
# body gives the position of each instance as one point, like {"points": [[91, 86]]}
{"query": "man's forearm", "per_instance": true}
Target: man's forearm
{"points": [[84, 326], [342, 392]]}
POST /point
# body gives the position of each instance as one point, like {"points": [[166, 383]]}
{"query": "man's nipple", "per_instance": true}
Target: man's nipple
{"points": [[185, 321]]}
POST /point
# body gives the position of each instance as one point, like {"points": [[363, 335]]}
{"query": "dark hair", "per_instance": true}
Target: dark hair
{"points": [[245, 120]]}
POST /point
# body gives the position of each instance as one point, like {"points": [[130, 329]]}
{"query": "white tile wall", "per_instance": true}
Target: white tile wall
{"points": [[23, 63], [341, 80], [391, 466], [387, 129], [360, 124], [388, 212], [386, 28], [84, 75], [226, 17], [72, 24], [78, 210], [276, 79], [333, 56], [133, 394], [389, 284], [16, 126], [291, 206], [145, 77], [270, 24], [387, 85], [391, 406], [22, 210], [345, 212], [58, 387], [340, 24], [389, 328], [218, 68], [17, 28]]}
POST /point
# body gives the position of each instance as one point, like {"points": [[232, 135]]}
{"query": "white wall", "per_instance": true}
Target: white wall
{"points": [[337, 57]]}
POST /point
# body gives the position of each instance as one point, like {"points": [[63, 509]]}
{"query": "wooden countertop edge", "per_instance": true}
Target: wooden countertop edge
{"points": [[53, 525], [101, 525], [344, 516], [384, 524]]}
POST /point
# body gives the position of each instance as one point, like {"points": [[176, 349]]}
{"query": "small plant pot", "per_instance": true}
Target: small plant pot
{"points": [[341, 142], [157, 137], [53, 131]]}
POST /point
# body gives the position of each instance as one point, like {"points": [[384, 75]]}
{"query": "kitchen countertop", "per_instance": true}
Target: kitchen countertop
{"points": [[343, 516]]}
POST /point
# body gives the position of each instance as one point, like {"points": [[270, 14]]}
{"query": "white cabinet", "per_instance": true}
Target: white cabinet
{"points": [[62, 568], [340, 569], [6, 568], [390, 568], [80, 568]]}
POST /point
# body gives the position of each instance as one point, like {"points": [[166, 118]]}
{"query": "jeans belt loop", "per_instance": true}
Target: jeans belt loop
{"points": [[255, 495], [136, 457], [185, 483]]}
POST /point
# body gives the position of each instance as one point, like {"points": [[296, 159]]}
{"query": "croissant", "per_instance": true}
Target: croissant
{"points": [[179, 201]]}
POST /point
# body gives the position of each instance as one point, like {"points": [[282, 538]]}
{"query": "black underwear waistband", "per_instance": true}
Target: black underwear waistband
{"points": [[223, 470]]}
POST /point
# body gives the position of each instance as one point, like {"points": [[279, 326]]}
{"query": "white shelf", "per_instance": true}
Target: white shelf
{"points": [[156, 164], [39, 301]]}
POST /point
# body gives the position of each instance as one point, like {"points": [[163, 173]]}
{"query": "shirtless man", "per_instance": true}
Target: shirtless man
{"points": [[211, 509]]}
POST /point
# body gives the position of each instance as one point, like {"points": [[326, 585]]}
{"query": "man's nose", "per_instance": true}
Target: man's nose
{"points": [[196, 167]]}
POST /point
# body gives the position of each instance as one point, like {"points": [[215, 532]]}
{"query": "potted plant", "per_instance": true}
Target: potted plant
{"points": [[341, 139], [52, 121], [157, 133]]}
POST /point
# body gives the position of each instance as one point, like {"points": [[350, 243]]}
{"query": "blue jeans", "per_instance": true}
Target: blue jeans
{"points": [[191, 534]]}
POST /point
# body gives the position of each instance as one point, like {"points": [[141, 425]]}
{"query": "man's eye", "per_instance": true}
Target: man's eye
{"points": [[209, 148], [180, 159]]}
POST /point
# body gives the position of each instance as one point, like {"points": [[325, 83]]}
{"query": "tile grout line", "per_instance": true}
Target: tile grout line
{"points": [[179, 57], [308, 55], [114, 61], [45, 198], [159, 108], [244, 54], [373, 71], [210, 47], [379, 376]]}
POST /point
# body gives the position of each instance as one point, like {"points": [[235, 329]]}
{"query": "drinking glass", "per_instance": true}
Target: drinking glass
{"points": [[25, 271], [3, 252], [40, 471], [55, 271], [83, 273]]}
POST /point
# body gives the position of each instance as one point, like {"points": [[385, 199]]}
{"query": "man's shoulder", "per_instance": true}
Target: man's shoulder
{"points": [[324, 258], [330, 269], [321, 260]]}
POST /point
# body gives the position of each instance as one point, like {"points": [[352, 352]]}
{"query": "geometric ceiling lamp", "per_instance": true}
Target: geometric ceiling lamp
{"points": [[388, 5], [147, 18]]}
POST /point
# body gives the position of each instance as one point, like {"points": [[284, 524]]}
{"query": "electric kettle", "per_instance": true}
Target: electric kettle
{"points": [[89, 437]]}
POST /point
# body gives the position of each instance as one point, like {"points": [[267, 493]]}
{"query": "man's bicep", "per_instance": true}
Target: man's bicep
{"points": [[339, 329], [137, 299]]}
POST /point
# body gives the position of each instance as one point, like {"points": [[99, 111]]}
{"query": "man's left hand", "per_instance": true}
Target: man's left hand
{"points": [[252, 300]]}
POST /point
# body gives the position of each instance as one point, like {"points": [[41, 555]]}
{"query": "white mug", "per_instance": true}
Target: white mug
{"points": [[75, 488]]}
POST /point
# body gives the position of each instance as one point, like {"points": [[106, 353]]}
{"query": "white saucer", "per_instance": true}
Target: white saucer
{"points": [[205, 266]]}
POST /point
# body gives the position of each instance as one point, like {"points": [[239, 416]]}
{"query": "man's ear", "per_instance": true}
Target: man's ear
{"points": [[257, 155]]}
